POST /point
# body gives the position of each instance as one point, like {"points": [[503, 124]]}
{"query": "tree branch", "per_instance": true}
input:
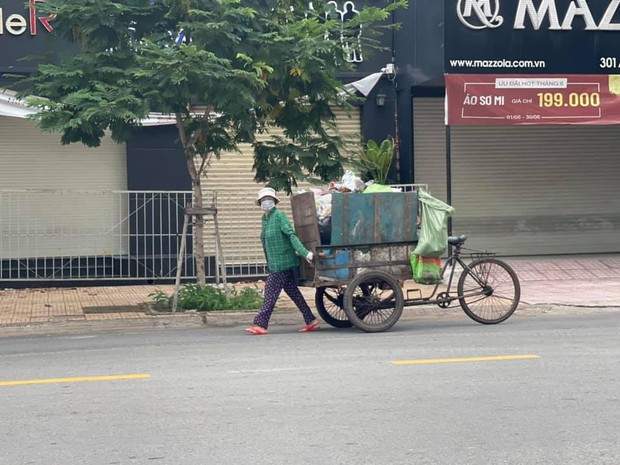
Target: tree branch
{"points": [[187, 148]]}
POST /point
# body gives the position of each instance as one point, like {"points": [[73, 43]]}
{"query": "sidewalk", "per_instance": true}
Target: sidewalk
{"points": [[576, 281]]}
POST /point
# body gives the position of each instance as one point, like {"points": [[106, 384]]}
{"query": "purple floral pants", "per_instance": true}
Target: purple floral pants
{"points": [[273, 287]]}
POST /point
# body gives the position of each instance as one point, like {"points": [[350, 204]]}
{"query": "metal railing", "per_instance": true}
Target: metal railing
{"points": [[56, 235], [411, 187], [87, 235]]}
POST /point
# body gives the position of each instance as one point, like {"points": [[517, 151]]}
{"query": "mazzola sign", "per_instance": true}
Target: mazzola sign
{"points": [[532, 36], [17, 24], [481, 14]]}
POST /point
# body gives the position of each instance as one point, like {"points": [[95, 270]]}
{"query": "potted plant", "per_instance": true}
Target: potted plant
{"points": [[376, 159]]}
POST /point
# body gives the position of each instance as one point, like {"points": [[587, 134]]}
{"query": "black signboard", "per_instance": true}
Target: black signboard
{"points": [[532, 36], [26, 33]]}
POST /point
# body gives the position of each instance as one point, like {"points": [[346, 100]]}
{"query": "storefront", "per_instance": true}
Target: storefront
{"points": [[518, 189], [69, 211], [113, 211], [526, 190]]}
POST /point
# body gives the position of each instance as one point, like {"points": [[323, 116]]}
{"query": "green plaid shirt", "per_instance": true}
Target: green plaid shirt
{"points": [[280, 242]]}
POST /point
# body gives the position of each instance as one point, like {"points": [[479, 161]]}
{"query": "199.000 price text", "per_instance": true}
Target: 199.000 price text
{"points": [[573, 100]]}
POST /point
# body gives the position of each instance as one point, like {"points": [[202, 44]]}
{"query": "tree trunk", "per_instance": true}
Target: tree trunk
{"points": [[198, 230], [199, 239]]}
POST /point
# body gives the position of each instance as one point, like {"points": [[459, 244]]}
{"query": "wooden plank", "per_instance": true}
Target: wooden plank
{"points": [[306, 225], [305, 218]]}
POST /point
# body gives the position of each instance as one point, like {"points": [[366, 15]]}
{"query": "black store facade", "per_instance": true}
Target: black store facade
{"points": [[55, 199], [66, 212], [519, 190]]}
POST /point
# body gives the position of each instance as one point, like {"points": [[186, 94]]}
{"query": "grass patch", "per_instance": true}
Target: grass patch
{"points": [[209, 298]]}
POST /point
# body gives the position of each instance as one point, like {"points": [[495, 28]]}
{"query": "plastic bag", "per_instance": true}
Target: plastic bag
{"points": [[433, 240], [352, 183], [372, 188], [426, 270], [323, 205]]}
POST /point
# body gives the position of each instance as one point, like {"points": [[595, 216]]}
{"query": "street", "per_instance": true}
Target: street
{"points": [[537, 389]]}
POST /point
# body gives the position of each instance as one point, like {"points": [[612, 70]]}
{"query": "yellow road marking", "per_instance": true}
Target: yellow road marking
{"points": [[80, 379], [464, 359]]}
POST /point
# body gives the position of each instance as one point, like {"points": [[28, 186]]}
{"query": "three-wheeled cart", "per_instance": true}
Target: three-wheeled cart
{"points": [[359, 277]]}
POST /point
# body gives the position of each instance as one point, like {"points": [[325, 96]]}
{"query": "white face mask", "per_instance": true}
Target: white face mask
{"points": [[267, 204]]}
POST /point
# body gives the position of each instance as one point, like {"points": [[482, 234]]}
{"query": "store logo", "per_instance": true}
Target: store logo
{"points": [[486, 13], [15, 24]]}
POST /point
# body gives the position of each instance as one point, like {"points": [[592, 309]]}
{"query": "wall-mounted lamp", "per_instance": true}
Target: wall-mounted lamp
{"points": [[380, 99]]}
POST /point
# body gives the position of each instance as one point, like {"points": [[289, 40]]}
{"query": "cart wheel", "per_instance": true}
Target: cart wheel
{"points": [[329, 304], [373, 301], [489, 291]]}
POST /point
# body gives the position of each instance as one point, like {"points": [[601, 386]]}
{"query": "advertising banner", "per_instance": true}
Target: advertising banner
{"points": [[497, 99], [532, 36]]}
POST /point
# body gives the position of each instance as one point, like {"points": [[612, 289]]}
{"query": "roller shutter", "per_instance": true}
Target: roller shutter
{"points": [[526, 189], [232, 177], [44, 223]]}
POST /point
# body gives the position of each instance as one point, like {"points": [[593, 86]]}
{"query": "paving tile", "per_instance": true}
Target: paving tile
{"points": [[611, 263], [570, 280]]}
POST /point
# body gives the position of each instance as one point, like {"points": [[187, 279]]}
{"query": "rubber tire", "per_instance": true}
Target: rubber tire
{"points": [[319, 301], [398, 301], [517, 291]]}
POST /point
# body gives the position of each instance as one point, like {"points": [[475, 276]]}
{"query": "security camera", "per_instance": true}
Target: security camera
{"points": [[389, 69]]}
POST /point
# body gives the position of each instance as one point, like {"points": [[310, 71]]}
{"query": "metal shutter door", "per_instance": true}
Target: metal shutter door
{"points": [[232, 177], [43, 224], [527, 189]]}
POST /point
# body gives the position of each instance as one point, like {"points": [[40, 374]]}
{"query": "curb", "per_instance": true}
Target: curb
{"points": [[155, 320], [223, 319], [84, 326]]}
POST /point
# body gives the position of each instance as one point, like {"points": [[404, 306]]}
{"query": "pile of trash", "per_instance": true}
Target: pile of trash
{"points": [[427, 226], [350, 183]]}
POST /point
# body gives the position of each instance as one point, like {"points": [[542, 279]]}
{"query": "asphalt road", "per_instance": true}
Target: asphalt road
{"points": [[218, 396]]}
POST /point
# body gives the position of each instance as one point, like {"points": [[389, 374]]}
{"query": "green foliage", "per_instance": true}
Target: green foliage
{"points": [[209, 298], [247, 298], [377, 159], [255, 64]]}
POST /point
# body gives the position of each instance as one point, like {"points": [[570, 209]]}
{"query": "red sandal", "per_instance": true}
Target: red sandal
{"points": [[311, 327], [257, 330]]}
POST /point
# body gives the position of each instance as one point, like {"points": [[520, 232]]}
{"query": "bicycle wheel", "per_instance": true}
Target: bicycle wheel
{"points": [[489, 291], [329, 304], [373, 301]]}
